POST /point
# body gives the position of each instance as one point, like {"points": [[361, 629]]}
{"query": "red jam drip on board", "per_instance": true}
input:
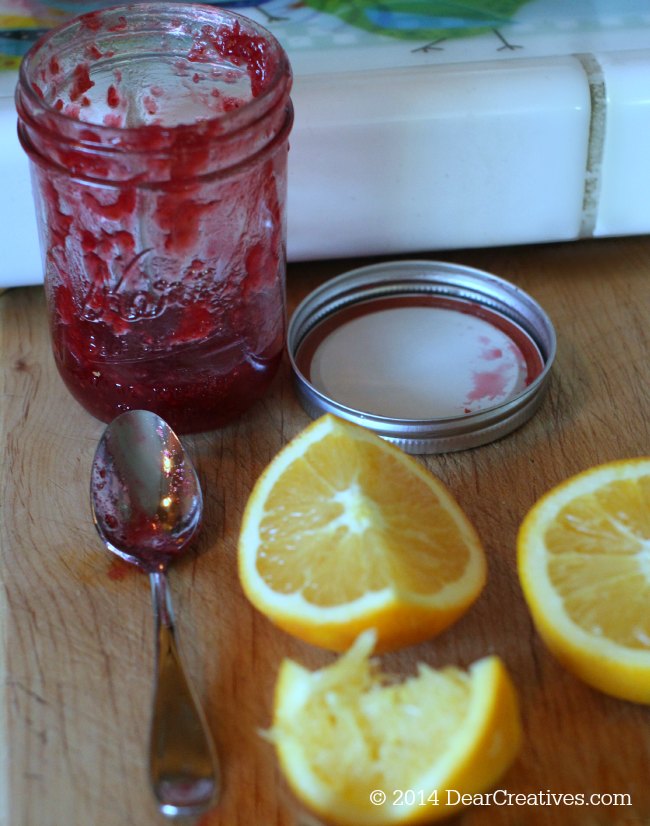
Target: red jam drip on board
{"points": [[119, 569]]}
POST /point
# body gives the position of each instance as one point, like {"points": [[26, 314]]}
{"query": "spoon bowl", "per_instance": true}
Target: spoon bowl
{"points": [[145, 494], [147, 506]]}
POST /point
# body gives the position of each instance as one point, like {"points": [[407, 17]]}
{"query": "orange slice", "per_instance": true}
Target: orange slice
{"points": [[584, 565]]}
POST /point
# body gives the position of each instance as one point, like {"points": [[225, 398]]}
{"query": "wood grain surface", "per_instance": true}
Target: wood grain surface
{"points": [[77, 648]]}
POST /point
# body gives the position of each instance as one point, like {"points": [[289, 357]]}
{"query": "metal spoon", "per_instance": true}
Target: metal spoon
{"points": [[147, 506]]}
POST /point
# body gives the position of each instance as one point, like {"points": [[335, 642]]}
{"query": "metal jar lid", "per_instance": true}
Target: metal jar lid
{"points": [[435, 357]]}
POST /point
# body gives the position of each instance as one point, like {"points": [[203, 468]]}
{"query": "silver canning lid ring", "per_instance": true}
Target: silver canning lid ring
{"points": [[469, 293]]}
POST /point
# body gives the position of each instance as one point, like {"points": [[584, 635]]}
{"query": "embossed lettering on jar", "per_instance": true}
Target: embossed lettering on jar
{"points": [[158, 138]]}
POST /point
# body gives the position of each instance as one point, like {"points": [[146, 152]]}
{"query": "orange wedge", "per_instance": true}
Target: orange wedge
{"points": [[344, 532]]}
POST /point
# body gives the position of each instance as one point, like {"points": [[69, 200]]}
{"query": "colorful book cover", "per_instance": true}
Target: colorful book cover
{"points": [[404, 32]]}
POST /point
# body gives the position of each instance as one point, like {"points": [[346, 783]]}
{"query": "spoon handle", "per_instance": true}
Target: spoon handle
{"points": [[182, 758]]}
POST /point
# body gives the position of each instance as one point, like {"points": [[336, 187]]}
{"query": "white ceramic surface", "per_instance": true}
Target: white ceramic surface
{"points": [[416, 145], [438, 157], [20, 257], [624, 197]]}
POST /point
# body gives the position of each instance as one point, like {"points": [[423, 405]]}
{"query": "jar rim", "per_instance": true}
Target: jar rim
{"points": [[275, 87], [170, 184]]}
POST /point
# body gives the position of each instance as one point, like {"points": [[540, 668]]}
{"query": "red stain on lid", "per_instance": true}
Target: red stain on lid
{"points": [[490, 384]]}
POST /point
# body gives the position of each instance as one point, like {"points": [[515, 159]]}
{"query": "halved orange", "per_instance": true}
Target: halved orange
{"points": [[362, 748], [344, 532], [584, 565]]}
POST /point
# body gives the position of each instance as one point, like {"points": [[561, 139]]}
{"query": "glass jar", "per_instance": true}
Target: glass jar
{"points": [[158, 137]]}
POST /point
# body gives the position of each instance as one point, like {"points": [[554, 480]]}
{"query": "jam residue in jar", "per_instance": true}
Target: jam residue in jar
{"points": [[159, 167]]}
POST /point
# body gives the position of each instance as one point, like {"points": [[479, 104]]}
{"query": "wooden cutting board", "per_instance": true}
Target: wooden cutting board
{"points": [[76, 659]]}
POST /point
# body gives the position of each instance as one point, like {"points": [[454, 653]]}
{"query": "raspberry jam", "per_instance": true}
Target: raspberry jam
{"points": [[158, 137]]}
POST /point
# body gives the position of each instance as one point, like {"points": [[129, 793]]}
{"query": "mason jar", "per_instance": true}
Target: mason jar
{"points": [[158, 138]]}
